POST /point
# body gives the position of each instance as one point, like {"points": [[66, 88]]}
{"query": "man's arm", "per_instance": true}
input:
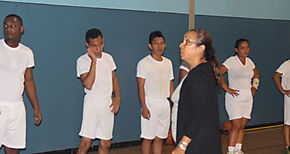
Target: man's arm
{"points": [[88, 79], [141, 93], [116, 90], [171, 88], [277, 81], [31, 93]]}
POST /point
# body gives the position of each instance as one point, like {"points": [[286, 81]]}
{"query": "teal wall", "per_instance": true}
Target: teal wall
{"points": [[56, 35], [173, 6], [262, 9]]}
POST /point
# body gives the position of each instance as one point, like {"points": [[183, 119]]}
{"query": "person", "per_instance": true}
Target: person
{"points": [[198, 118], [97, 71], [239, 93], [16, 63], [183, 71], [155, 85], [284, 87]]}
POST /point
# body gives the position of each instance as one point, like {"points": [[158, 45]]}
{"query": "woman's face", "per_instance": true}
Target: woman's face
{"points": [[243, 50], [188, 47]]}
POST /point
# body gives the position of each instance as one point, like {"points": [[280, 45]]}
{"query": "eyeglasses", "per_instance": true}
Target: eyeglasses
{"points": [[186, 42]]}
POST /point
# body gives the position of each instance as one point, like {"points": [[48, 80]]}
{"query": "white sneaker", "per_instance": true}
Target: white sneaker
{"points": [[230, 152], [239, 152]]}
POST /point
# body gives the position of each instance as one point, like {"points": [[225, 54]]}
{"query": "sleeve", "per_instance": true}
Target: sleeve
{"points": [[82, 67], [141, 70], [283, 67], [171, 76], [252, 64], [184, 66], [196, 108], [30, 59], [114, 67], [228, 63]]}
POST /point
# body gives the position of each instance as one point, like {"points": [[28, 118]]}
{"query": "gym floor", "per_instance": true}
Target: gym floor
{"points": [[266, 141]]}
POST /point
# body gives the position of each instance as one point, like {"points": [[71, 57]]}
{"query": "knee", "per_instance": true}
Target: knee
{"points": [[158, 140], [237, 126], [105, 144], [147, 141]]}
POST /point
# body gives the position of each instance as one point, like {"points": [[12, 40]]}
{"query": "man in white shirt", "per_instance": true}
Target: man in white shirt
{"points": [[154, 77], [96, 69], [16, 63], [284, 87]]}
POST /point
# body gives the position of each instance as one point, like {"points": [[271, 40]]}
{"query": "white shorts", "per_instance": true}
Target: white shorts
{"points": [[159, 122], [239, 106], [286, 110], [13, 125], [98, 120]]}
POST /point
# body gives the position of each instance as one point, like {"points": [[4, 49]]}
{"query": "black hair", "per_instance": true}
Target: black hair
{"points": [[155, 34], [16, 16], [92, 34], [204, 38], [239, 41]]}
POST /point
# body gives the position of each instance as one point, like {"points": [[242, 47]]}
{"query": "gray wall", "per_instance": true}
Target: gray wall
{"points": [[56, 35]]}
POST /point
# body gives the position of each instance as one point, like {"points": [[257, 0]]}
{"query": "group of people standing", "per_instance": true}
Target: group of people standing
{"points": [[195, 117]]}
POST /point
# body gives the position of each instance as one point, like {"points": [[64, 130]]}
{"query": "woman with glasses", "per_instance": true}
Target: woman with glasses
{"points": [[198, 118], [239, 93]]}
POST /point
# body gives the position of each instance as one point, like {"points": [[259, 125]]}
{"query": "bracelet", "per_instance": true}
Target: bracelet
{"points": [[93, 61], [182, 145]]}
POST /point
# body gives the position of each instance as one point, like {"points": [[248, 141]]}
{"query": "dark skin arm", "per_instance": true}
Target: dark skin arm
{"points": [[277, 81], [116, 90], [223, 84], [31, 94], [256, 75], [141, 92]]}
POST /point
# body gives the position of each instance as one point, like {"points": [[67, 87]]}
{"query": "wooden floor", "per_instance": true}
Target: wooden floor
{"points": [[267, 141]]}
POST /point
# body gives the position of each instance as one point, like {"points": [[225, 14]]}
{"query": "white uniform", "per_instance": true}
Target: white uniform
{"points": [[284, 69], [98, 120], [175, 98], [13, 63], [240, 77], [157, 75]]}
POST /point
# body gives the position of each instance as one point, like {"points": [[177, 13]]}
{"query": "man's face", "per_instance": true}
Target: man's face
{"points": [[12, 29], [158, 46], [96, 44]]}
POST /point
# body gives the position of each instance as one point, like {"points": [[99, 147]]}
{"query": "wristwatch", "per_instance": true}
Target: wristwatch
{"points": [[182, 145]]}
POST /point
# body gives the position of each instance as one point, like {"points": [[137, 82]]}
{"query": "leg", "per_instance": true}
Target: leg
{"points": [[85, 145], [157, 145], [234, 134], [104, 146], [10, 150], [146, 146], [241, 132], [286, 134]]}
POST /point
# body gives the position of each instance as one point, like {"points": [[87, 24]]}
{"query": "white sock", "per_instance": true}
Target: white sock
{"points": [[231, 148], [238, 147]]}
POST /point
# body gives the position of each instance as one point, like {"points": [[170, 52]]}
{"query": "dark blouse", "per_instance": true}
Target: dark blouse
{"points": [[198, 116]]}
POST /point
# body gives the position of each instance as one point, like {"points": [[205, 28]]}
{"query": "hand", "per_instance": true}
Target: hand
{"points": [[37, 116], [91, 54], [115, 104], [146, 113], [177, 150], [286, 92], [233, 92], [253, 90]]}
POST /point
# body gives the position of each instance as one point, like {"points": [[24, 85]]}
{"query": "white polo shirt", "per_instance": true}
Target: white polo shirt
{"points": [[239, 75], [13, 63], [284, 69], [157, 75]]}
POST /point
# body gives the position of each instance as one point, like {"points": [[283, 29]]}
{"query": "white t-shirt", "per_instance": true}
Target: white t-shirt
{"points": [[157, 75], [239, 75], [103, 84], [13, 63], [284, 69]]}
